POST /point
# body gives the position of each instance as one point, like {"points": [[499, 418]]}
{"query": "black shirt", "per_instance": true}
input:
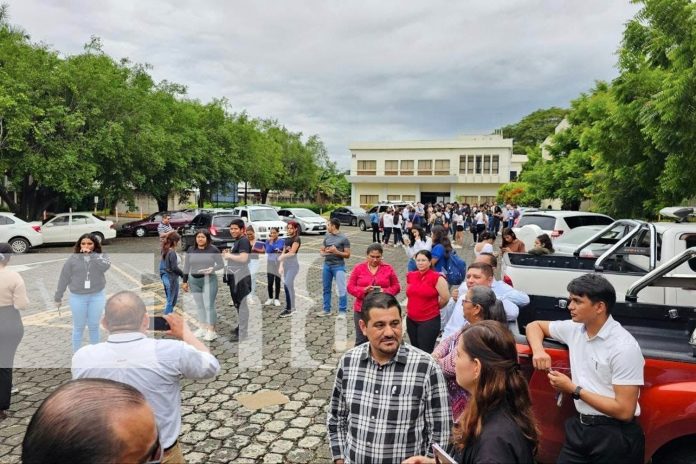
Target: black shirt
{"points": [[240, 246], [288, 247], [501, 442]]}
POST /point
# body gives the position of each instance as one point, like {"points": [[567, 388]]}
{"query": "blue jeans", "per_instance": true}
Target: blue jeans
{"points": [[290, 269], [86, 311], [204, 291], [330, 272], [171, 288]]}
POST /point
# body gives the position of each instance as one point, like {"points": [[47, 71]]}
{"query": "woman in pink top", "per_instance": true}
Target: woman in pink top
{"points": [[372, 275]]}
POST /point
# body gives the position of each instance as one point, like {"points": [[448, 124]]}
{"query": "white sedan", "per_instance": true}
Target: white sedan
{"points": [[20, 235], [68, 227]]}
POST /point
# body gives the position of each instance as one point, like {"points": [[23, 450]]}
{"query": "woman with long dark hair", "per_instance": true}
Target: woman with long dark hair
{"points": [[542, 245], [84, 275], [498, 424], [201, 261], [511, 244], [442, 247], [479, 304], [289, 266], [13, 298], [427, 293], [416, 240], [274, 247], [170, 270]]}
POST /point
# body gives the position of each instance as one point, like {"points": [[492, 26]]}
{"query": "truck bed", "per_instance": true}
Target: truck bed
{"points": [[560, 262], [661, 332]]}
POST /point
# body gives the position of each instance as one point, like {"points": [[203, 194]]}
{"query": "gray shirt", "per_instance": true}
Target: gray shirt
{"points": [[341, 242]]}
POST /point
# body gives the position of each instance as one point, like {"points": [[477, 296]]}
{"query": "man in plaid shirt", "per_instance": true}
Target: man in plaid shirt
{"points": [[389, 400]]}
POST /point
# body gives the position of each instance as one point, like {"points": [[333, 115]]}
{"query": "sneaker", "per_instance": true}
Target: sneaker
{"points": [[14, 390], [200, 332], [287, 313], [276, 302], [210, 336], [269, 302], [231, 303], [324, 313], [341, 315]]}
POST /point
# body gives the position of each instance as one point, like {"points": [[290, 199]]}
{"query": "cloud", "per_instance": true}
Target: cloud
{"points": [[359, 70]]}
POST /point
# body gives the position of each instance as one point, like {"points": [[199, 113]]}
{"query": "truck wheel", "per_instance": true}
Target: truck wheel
{"points": [[363, 226], [19, 245], [140, 232], [353, 222]]}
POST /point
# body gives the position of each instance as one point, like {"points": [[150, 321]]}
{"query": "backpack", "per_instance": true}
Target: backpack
{"points": [[455, 269], [438, 221]]}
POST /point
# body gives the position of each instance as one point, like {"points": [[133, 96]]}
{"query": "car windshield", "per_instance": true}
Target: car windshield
{"points": [[304, 213], [357, 210], [265, 214]]}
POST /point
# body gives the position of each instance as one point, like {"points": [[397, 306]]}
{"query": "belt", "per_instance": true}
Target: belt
{"points": [[588, 419], [173, 445]]}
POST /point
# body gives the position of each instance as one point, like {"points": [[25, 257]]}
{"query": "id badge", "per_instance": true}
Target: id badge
{"points": [[87, 285]]}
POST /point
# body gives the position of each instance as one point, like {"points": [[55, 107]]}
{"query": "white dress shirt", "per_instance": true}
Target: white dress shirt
{"points": [[154, 367]]}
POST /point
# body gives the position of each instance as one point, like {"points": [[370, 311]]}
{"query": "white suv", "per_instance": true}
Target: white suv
{"points": [[21, 235], [555, 223], [262, 218]]}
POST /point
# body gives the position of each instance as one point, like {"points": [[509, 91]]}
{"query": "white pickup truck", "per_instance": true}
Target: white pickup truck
{"points": [[262, 218], [637, 249]]}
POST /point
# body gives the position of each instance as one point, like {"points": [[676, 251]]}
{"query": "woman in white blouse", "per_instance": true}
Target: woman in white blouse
{"points": [[415, 241]]}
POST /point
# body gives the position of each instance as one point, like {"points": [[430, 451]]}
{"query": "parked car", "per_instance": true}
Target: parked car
{"points": [[20, 235], [218, 223], [384, 206], [353, 216], [567, 243], [68, 227], [556, 223], [262, 218], [148, 226], [309, 221]]}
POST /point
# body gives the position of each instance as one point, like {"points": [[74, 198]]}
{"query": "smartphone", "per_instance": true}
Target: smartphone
{"points": [[159, 324], [376, 289], [441, 456]]}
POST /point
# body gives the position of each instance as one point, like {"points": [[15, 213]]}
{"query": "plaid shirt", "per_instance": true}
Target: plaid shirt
{"points": [[385, 414]]}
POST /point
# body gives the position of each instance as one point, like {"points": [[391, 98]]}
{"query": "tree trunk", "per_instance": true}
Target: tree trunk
{"points": [[264, 195], [163, 203]]}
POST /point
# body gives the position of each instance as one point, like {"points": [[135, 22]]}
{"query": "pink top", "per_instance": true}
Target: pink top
{"points": [[361, 277]]}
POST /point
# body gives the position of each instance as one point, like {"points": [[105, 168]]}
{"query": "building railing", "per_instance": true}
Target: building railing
{"points": [[367, 173], [391, 173]]}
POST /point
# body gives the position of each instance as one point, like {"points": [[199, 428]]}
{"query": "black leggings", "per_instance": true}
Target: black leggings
{"points": [[375, 232], [11, 333], [386, 235], [424, 334], [273, 277]]}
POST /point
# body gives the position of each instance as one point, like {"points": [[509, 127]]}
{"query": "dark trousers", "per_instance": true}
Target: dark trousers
{"points": [[478, 228], [240, 288], [273, 278], [387, 235], [608, 443], [424, 334], [375, 232], [359, 337], [11, 333], [397, 236]]}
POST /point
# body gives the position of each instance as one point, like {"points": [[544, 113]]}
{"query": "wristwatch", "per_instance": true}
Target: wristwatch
{"points": [[576, 393]]}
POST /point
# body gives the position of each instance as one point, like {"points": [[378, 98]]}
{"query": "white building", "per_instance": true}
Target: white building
{"points": [[469, 169]]}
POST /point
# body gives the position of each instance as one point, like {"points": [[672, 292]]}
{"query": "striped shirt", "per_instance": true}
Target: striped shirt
{"points": [[387, 413]]}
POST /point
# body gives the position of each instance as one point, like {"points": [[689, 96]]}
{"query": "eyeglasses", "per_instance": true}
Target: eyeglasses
{"points": [[157, 453]]}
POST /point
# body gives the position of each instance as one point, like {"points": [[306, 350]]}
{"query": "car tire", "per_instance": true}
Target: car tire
{"points": [[140, 232], [19, 245], [100, 237], [363, 226], [353, 222]]}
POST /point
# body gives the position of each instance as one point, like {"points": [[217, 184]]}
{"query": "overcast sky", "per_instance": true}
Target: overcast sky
{"points": [[355, 70]]}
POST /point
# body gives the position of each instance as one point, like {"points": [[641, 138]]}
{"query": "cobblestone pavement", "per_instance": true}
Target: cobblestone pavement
{"points": [[297, 356]]}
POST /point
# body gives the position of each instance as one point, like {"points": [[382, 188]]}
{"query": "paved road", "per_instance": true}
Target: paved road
{"points": [[295, 356]]}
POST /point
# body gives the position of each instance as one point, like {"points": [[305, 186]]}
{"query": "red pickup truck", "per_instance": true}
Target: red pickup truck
{"points": [[667, 336]]}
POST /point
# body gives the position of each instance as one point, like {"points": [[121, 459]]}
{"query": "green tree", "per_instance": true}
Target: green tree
{"points": [[533, 129]]}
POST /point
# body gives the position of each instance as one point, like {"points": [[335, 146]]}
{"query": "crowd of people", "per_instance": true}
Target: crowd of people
{"points": [[456, 386]]}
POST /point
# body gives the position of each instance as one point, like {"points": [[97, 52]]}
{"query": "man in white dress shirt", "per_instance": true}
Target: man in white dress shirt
{"points": [[154, 367]]}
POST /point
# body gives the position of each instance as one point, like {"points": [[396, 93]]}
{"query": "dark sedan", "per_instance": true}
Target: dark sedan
{"points": [[148, 226], [218, 224], [352, 216]]}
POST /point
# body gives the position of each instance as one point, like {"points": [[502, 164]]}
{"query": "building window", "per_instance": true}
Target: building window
{"points": [[406, 167], [409, 198], [486, 164], [462, 164], [442, 167], [479, 164], [425, 167], [367, 167], [368, 200], [393, 197], [495, 169], [391, 168], [513, 176], [470, 164]]}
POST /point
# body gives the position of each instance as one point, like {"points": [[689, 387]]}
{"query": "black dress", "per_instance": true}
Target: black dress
{"points": [[501, 442]]}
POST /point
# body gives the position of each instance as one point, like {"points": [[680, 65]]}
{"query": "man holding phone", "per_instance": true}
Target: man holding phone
{"points": [[154, 367]]}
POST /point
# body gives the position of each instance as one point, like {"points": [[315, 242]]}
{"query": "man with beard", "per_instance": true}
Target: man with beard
{"points": [[386, 390]]}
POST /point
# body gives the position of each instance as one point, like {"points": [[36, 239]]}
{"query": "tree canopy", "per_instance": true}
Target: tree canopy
{"points": [[78, 126]]}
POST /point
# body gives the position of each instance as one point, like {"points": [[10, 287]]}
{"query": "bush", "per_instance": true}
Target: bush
{"points": [[317, 208]]}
